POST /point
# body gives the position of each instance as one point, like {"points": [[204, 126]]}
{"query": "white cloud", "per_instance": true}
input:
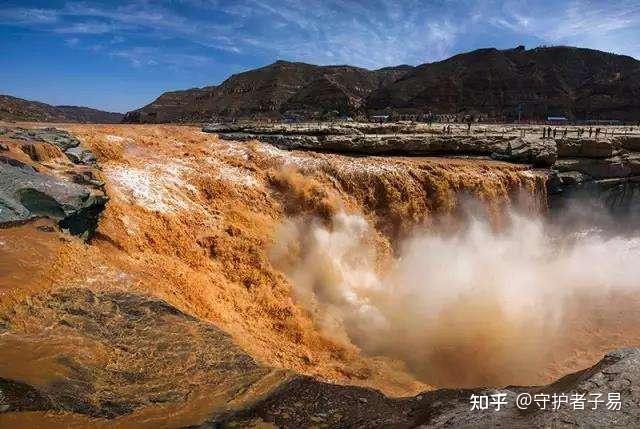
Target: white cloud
{"points": [[371, 34], [149, 56], [87, 28], [596, 24], [72, 42], [25, 16], [587, 18]]}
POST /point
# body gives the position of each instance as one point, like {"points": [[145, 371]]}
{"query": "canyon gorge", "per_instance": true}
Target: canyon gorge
{"points": [[329, 275]]}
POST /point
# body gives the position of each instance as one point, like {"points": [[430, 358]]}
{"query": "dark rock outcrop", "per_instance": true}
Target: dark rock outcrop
{"points": [[538, 152], [17, 396], [619, 166], [54, 136], [17, 109], [27, 192], [631, 143], [304, 402], [597, 178], [80, 155], [26, 195]]}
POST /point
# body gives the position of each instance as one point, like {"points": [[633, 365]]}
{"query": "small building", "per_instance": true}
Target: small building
{"points": [[557, 120]]}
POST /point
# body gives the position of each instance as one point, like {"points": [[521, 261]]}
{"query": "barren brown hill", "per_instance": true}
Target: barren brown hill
{"points": [[560, 81], [548, 81], [271, 91], [18, 109]]}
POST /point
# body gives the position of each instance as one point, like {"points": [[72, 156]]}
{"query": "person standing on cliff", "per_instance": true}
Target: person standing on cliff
{"points": [[590, 131], [555, 130], [544, 132]]}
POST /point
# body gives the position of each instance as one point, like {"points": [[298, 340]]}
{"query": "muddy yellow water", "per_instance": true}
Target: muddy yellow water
{"points": [[192, 219]]}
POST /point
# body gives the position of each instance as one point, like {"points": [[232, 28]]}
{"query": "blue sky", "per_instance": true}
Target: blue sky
{"points": [[121, 55]]}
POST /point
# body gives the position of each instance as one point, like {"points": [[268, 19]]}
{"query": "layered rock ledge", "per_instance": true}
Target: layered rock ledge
{"points": [[606, 169], [46, 173], [391, 139]]}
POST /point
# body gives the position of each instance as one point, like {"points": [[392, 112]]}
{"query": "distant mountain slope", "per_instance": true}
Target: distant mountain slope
{"points": [[573, 82], [17, 109], [270, 91], [566, 81]]}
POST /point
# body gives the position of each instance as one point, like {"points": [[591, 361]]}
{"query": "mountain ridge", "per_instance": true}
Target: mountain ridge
{"points": [[559, 81], [490, 83], [269, 91], [19, 109]]}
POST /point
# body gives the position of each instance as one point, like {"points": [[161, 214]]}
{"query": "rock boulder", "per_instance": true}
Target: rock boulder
{"points": [[26, 194]]}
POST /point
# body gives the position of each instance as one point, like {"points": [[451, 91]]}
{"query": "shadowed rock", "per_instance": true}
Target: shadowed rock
{"points": [[60, 138], [304, 402], [73, 196]]}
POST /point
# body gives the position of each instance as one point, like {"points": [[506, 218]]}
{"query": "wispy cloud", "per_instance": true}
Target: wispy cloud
{"points": [[595, 19], [87, 28], [598, 24], [371, 34], [27, 16], [148, 56], [72, 42]]}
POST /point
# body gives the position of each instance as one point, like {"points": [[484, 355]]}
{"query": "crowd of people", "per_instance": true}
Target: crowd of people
{"points": [[555, 132]]}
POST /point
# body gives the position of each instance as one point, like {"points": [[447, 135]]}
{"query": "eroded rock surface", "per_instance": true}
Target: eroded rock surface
{"points": [[400, 139], [108, 354], [26, 194], [38, 179]]}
